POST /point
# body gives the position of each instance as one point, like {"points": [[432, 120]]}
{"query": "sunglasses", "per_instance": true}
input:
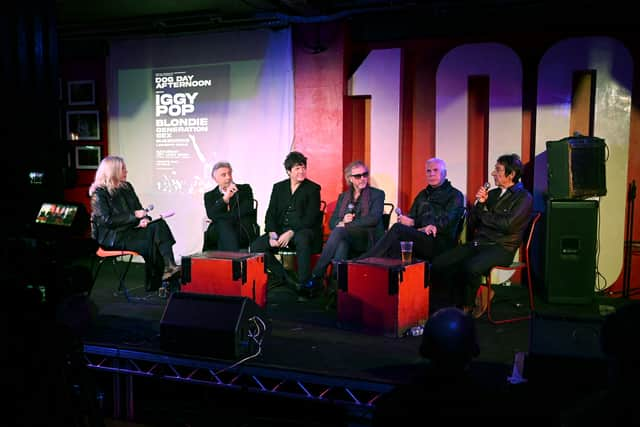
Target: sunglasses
{"points": [[360, 175]]}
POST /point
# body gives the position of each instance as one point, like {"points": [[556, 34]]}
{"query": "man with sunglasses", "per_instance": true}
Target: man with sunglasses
{"points": [[432, 221], [355, 224]]}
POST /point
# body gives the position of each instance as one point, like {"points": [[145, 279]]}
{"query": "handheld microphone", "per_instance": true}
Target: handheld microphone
{"points": [[350, 208], [486, 186], [398, 211], [229, 188], [149, 208]]}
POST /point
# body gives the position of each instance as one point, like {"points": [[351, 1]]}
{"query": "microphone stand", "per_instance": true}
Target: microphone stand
{"points": [[628, 241], [242, 227]]}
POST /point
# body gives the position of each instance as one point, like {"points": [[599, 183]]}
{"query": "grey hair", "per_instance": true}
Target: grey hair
{"points": [[221, 164], [347, 169], [440, 162]]}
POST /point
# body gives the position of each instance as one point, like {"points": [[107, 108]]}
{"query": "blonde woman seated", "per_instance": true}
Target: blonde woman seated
{"points": [[119, 222]]}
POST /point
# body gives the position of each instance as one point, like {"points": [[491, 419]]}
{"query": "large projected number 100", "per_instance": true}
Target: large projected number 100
{"points": [[379, 77]]}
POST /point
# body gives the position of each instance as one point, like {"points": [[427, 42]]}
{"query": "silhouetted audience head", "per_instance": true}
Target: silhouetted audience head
{"points": [[450, 339]]}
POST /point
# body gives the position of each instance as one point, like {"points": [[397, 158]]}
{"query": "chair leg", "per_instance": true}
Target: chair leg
{"points": [[499, 321], [123, 286], [96, 266]]}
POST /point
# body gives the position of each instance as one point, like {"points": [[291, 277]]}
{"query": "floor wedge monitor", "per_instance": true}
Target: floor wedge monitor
{"points": [[224, 327]]}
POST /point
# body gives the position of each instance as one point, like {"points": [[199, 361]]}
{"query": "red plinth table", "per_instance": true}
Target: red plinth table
{"points": [[226, 273], [382, 295]]}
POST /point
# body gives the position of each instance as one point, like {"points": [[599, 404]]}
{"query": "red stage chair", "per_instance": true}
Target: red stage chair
{"points": [[515, 266], [113, 255]]}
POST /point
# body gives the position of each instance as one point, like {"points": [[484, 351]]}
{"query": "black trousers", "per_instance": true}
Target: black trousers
{"points": [[343, 243], [303, 243], [155, 244], [459, 271], [389, 245], [225, 236]]}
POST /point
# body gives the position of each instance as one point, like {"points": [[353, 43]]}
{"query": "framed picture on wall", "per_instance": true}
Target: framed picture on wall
{"points": [[88, 156], [81, 92], [83, 125]]}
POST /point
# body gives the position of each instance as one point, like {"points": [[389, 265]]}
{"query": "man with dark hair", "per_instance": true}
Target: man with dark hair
{"points": [[497, 221], [293, 220]]}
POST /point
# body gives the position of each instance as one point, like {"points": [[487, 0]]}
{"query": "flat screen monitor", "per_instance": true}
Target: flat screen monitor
{"points": [[57, 214]]}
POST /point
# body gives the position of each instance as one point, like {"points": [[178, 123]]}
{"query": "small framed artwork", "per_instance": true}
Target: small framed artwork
{"points": [[81, 92], [88, 156], [83, 125]]}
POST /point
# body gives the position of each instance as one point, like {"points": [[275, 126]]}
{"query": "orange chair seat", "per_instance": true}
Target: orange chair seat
{"points": [[104, 253]]}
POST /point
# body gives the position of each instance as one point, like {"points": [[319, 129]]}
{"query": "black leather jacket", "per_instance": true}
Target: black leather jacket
{"points": [[111, 215], [441, 206], [502, 220]]}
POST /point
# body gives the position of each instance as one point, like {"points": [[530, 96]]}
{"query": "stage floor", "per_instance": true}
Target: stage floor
{"points": [[304, 336], [309, 348]]}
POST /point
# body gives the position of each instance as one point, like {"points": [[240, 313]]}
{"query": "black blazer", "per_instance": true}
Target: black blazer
{"points": [[240, 210], [372, 222], [303, 206], [113, 215]]}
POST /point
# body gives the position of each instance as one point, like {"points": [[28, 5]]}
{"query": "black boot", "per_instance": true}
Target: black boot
{"points": [[170, 267], [312, 287]]}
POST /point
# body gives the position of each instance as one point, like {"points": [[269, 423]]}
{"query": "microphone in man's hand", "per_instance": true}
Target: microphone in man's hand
{"points": [[486, 186], [232, 187], [351, 208], [149, 208], [398, 211]]}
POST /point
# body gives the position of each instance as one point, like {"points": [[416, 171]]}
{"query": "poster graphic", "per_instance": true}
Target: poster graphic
{"points": [[187, 101]]}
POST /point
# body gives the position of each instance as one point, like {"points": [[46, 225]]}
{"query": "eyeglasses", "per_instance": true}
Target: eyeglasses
{"points": [[360, 175], [499, 169]]}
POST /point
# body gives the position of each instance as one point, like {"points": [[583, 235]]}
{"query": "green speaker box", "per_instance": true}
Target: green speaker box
{"points": [[570, 251]]}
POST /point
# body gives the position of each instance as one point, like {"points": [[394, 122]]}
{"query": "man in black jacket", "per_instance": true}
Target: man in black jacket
{"points": [[498, 221], [356, 223], [432, 221], [230, 208], [293, 220]]}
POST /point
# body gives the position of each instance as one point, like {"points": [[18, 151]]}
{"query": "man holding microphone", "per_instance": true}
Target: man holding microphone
{"points": [[230, 209], [356, 223], [497, 223]]}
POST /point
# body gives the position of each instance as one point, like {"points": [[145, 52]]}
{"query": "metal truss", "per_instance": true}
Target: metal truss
{"points": [[357, 395]]}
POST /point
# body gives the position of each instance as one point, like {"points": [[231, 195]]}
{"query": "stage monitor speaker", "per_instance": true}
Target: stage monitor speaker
{"points": [[576, 168], [562, 344], [225, 327], [570, 251]]}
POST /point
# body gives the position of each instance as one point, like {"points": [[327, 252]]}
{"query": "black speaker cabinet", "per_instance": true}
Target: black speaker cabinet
{"points": [[225, 327], [576, 168], [570, 251], [562, 334], [566, 345]]}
